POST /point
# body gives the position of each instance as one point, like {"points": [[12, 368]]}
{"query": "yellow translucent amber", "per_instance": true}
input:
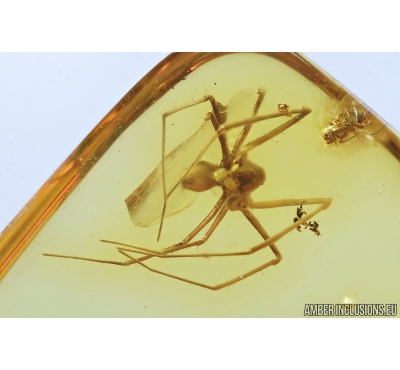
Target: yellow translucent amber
{"points": [[339, 151]]}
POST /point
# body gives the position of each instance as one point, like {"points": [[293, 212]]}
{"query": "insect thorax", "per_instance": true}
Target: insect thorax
{"points": [[237, 182]]}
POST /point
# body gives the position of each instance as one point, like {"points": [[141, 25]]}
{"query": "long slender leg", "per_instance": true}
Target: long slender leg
{"points": [[206, 220], [85, 259], [165, 253], [211, 287], [268, 136], [173, 248], [253, 220], [269, 240], [325, 202], [184, 244], [226, 153], [222, 129], [216, 123], [220, 216], [257, 225], [126, 263], [246, 129], [301, 113], [177, 247]]}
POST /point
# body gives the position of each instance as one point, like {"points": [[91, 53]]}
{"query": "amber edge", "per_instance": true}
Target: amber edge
{"points": [[388, 137], [29, 221], [15, 238]]}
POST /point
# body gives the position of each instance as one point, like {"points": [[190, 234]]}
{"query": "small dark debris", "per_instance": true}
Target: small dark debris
{"points": [[311, 225]]}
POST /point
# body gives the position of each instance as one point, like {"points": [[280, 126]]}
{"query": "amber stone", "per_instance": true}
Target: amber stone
{"points": [[319, 182]]}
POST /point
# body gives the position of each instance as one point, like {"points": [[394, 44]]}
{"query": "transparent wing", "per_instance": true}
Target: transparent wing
{"points": [[239, 108], [146, 202]]}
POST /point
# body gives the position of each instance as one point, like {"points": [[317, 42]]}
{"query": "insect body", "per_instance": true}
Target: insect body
{"points": [[353, 120], [173, 185]]}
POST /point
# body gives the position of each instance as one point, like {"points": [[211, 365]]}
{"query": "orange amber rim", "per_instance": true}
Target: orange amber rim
{"points": [[16, 237]]}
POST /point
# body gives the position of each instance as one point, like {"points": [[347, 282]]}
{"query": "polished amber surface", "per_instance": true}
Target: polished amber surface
{"points": [[321, 176]]}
